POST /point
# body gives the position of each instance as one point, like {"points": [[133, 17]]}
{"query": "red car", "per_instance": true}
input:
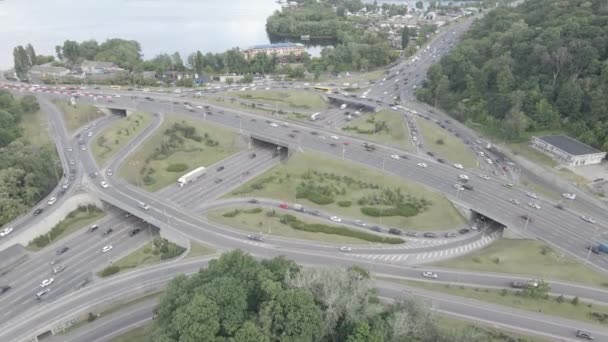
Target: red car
{"points": [[283, 206]]}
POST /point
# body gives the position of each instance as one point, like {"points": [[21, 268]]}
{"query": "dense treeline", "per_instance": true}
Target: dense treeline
{"points": [[239, 299], [25, 58], [356, 48], [540, 66], [27, 172]]}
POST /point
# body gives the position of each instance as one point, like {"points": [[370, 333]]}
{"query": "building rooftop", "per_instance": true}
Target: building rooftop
{"points": [[276, 46], [569, 145], [98, 64]]}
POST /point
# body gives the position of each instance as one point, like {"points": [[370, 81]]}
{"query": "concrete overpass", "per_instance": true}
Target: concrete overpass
{"points": [[363, 104]]}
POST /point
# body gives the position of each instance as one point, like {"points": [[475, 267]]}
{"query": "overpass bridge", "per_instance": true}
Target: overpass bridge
{"points": [[362, 104]]}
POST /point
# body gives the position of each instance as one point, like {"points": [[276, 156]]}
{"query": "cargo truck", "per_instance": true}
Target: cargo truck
{"points": [[191, 176]]}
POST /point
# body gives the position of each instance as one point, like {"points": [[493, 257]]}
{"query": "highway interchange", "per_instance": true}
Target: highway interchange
{"points": [[177, 211]]}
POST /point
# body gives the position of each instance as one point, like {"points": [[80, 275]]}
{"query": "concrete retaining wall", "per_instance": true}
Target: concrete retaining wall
{"points": [[24, 236]]}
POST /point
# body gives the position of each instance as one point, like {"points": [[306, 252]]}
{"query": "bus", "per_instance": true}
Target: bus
{"points": [[315, 116], [323, 88], [117, 87]]}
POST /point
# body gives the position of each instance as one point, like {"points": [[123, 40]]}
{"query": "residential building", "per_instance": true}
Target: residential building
{"points": [[280, 49], [96, 67], [567, 150], [48, 71]]}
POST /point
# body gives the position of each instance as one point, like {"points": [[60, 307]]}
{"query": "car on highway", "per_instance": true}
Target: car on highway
{"points": [[218, 181], [143, 205], [584, 335], [4, 232], [255, 237], [430, 235], [486, 177], [83, 147], [449, 235], [588, 219], [560, 206], [104, 184], [134, 231], [283, 206], [458, 166], [4, 289], [47, 282], [58, 269], [468, 187], [527, 217], [428, 274], [70, 149], [441, 160], [411, 234], [508, 185], [272, 124], [463, 177], [93, 228], [359, 223], [335, 219], [422, 165], [335, 137], [514, 201], [532, 195], [62, 250], [464, 231], [534, 205], [107, 232], [376, 228], [395, 156], [569, 196], [52, 200], [345, 249], [458, 186], [42, 293], [110, 172], [106, 249], [220, 168], [253, 201]]}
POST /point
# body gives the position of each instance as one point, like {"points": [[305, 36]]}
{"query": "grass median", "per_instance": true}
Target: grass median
{"points": [[384, 127], [115, 137], [273, 222], [298, 99], [527, 257], [181, 144], [353, 190], [77, 115], [75, 220], [198, 249], [445, 144], [550, 305]]}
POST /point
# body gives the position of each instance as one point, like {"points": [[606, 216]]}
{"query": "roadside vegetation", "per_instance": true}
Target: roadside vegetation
{"points": [[74, 221], [114, 138], [494, 334], [199, 249], [78, 115], [445, 144], [303, 100], [151, 253], [180, 144], [242, 299], [527, 257], [531, 300], [29, 165], [355, 191], [384, 127], [140, 334], [272, 222]]}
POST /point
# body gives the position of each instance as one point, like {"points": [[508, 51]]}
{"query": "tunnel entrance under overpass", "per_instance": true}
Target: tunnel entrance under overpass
{"points": [[484, 222], [279, 147], [362, 105]]}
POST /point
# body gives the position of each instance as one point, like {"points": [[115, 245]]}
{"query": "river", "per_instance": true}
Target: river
{"points": [[158, 25]]}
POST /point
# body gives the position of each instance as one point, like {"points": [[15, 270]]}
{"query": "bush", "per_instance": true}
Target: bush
{"points": [[439, 142], [574, 301], [232, 213], [108, 271], [294, 223], [405, 209], [345, 204], [560, 299], [253, 211], [180, 167]]}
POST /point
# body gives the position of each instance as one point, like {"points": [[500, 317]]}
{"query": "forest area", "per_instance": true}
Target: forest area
{"points": [[27, 172], [538, 67], [240, 299]]}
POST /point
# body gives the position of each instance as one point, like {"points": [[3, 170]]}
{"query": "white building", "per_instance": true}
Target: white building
{"points": [[95, 67], [567, 150]]}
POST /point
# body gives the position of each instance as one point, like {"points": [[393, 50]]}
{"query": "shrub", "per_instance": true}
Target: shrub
{"points": [[232, 213], [345, 204], [405, 209], [560, 299], [253, 211], [439, 142], [108, 271], [179, 167], [496, 260], [574, 301]]}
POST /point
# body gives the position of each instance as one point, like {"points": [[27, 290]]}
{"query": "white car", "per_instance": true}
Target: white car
{"points": [[428, 274], [514, 201], [335, 137], [489, 161], [90, 134], [422, 164], [70, 149], [52, 201], [464, 177], [359, 223], [110, 172], [42, 292], [345, 249], [532, 195], [47, 282], [458, 187], [104, 185], [484, 177], [534, 205], [106, 249], [4, 232], [335, 219], [458, 166], [83, 147], [272, 124], [588, 219], [58, 269], [394, 156], [199, 107], [569, 196]]}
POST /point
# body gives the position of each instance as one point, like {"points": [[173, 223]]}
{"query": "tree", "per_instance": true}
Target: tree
{"points": [[178, 63], [405, 37], [249, 332], [292, 316], [22, 62], [419, 5], [199, 63], [71, 51], [88, 49], [197, 321], [31, 54], [59, 52]]}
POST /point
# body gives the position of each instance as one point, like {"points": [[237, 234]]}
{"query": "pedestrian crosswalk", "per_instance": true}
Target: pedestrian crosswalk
{"points": [[428, 256]]}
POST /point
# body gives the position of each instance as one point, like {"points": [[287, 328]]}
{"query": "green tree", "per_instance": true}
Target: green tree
{"points": [[71, 51], [21, 62], [292, 316], [197, 321], [31, 54], [178, 62], [249, 332], [405, 37], [199, 63]]}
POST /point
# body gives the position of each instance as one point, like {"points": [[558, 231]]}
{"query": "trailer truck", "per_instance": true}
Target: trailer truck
{"points": [[191, 176]]}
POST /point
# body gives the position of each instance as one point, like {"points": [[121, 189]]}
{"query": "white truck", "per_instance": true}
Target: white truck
{"points": [[191, 176], [343, 106]]}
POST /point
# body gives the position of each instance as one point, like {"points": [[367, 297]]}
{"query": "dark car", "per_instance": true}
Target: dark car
{"points": [[431, 154], [108, 231], [38, 211], [62, 250], [468, 187], [430, 235], [376, 228], [218, 181], [559, 206], [527, 217], [403, 156], [220, 168], [253, 155], [412, 234], [134, 232], [253, 200], [442, 161], [449, 235], [464, 230], [255, 237], [395, 231], [4, 289], [584, 335]]}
